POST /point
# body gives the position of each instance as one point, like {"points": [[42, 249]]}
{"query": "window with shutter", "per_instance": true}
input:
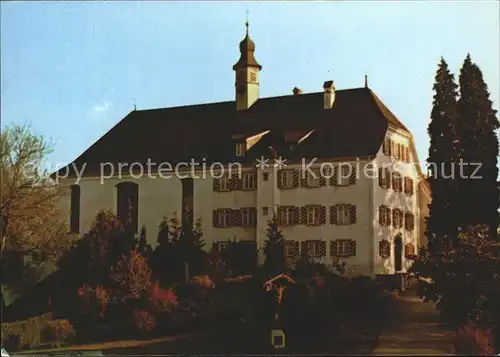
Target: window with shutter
{"points": [[381, 216], [221, 184], [128, 205], [224, 217], [408, 186], [384, 178], [409, 221], [384, 249], [248, 217], [286, 179], [343, 248], [313, 215], [397, 218], [316, 248], [296, 213], [287, 215], [347, 175], [343, 213], [322, 215], [397, 182], [386, 148], [291, 249], [249, 181], [312, 179]]}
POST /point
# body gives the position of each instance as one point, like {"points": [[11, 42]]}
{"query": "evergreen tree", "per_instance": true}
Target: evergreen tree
{"points": [[274, 249], [478, 192], [163, 256], [442, 160], [190, 249], [143, 248]]}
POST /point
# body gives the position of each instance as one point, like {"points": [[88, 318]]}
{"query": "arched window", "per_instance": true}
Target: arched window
{"points": [[74, 221], [127, 205]]}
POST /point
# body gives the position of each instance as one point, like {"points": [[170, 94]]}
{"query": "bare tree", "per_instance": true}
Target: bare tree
{"points": [[30, 216]]}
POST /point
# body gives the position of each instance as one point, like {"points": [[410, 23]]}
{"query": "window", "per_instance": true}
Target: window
{"points": [[287, 215], [248, 218], [249, 181], [265, 211], [409, 221], [222, 246], [384, 178], [346, 174], [265, 176], [313, 179], [315, 248], [397, 182], [221, 184], [384, 248], [286, 179], [386, 147], [408, 186], [240, 76], [128, 205], [397, 218], [74, 226], [253, 76], [384, 216], [343, 248], [343, 214], [291, 249], [223, 217], [240, 149], [410, 250], [312, 215], [408, 156]]}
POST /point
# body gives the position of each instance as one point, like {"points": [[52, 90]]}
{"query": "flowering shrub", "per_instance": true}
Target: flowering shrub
{"points": [[163, 299], [144, 321], [94, 299]]}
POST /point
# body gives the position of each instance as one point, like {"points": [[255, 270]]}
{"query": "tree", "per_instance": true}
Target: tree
{"points": [[274, 248], [465, 279], [240, 257], [478, 141], [179, 251], [30, 219], [143, 248], [442, 160]]}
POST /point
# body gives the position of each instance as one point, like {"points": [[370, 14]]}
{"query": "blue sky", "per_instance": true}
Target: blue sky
{"points": [[73, 70]]}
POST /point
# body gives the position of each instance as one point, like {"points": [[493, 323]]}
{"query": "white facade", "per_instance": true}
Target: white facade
{"points": [[161, 197]]}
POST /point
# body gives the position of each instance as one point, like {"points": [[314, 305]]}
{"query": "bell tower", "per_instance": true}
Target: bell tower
{"points": [[247, 74]]}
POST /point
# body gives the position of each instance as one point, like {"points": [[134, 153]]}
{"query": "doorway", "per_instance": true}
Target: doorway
{"points": [[398, 253]]}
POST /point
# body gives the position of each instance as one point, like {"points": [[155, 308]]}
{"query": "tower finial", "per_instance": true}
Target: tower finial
{"points": [[246, 23], [135, 105], [366, 81]]}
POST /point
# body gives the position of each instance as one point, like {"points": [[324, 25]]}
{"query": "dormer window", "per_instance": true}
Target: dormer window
{"points": [[240, 149]]}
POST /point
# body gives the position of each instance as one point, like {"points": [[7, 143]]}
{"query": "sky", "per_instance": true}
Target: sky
{"points": [[72, 70]]}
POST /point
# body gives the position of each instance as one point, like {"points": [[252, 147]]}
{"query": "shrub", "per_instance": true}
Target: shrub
{"points": [[472, 341], [144, 321]]}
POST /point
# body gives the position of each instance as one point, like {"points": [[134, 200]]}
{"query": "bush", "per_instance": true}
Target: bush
{"points": [[35, 332], [471, 341]]}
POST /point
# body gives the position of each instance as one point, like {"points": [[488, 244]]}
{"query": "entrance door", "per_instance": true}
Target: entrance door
{"points": [[398, 253]]}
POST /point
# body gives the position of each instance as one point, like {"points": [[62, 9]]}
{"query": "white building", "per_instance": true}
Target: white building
{"points": [[372, 221]]}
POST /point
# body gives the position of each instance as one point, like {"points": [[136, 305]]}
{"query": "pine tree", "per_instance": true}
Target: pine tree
{"points": [[478, 192], [274, 249], [442, 160]]}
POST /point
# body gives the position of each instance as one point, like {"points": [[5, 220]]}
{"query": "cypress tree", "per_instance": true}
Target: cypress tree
{"points": [[274, 248], [441, 225], [478, 192]]}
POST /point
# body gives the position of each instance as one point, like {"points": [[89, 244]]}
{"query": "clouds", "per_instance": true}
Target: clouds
{"points": [[99, 108]]}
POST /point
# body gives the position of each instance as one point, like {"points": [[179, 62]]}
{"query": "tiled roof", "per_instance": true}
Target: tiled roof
{"points": [[354, 127]]}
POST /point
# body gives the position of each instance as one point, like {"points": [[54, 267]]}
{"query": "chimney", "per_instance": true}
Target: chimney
{"points": [[297, 91], [328, 94]]}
